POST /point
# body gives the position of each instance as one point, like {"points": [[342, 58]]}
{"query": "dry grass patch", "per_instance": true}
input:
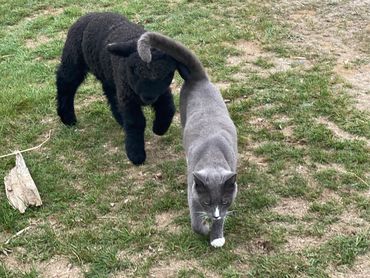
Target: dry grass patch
{"points": [[59, 267], [34, 43], [88, 100], [167, 269], [339, 132], [47, 11], [299, 243], [360, 269], [56, 267], [292, 207], [164, 222], [337, 29], [349, 223], [248, 156], [254, 59]]}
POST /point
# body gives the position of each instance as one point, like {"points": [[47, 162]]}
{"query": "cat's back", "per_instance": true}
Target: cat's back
{"points": [[203, 107], [204, 114]]}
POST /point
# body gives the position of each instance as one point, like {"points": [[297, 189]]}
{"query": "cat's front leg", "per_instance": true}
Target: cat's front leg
{"points": [[198, 219], [134, 126], [164, 109], [217, 233]]}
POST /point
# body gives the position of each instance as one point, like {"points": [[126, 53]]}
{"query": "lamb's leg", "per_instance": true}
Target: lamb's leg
{"points": [[110, 93], [69, 77], [217, 233], [164, 109], [134, 126]]}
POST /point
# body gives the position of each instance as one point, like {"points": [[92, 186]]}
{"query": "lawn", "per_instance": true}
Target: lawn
{"points": [[295, 77]]}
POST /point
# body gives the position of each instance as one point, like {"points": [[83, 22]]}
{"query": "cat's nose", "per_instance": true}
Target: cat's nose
{"points": [[216, 214]]}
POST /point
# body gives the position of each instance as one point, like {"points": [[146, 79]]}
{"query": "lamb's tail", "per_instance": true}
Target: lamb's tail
{"points": [[173, 48]]}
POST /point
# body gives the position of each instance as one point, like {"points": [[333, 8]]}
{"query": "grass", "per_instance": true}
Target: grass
{"points": [[104, 215]]}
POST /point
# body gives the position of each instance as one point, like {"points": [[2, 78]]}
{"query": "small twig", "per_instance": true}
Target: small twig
{"points": [[355, 175], [30, 149], [78, 257], [6, 56], [17, 234], [359, 179], [108, 217]]}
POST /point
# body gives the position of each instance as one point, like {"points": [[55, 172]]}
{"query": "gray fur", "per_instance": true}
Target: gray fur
{"points": [[209, 138]]}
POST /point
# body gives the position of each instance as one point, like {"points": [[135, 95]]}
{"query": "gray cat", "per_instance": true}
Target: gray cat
{"points": [[209, 138]]}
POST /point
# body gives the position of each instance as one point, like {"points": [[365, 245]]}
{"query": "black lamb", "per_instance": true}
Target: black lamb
{"points": [[105, 44]]}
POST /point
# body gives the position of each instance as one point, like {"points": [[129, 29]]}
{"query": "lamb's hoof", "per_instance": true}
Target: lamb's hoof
{"points": [[136, 157], [160, 129], [218, 242], [69, 120]]}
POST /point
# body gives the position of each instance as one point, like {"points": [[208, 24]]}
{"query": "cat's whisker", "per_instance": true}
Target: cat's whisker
{"points": [[231, 212]]}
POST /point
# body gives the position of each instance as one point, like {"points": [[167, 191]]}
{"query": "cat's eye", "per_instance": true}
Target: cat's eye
{"points": [[225, 202], [206, 203]]}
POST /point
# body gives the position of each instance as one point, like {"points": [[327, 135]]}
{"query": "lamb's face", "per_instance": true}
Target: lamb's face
{"points": [[150, 81]]}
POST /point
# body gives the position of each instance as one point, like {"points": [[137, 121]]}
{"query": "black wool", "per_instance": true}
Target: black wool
{"points": [[105, 44]]}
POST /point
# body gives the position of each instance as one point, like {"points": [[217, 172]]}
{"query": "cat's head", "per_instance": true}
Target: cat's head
{"points": [[215, 191]]}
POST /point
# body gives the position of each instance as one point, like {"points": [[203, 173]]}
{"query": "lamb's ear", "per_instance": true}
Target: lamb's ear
{"points": [[123, 49], [183, 71]]}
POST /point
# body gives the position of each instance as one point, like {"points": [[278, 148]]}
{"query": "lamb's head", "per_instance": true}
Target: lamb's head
{"points": [[148, 80]]}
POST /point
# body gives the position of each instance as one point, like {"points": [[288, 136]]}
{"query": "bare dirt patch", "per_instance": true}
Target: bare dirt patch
{"points": [[298, 243], [255, 59], [87, 101], [171, 268], [47, 11], [249, 156], [59, 267], [349, 223], [333, 166], [361, 269], [339, 132], [292, 206], [260, 123], [336, 29], [164, 222], [34, 43]]}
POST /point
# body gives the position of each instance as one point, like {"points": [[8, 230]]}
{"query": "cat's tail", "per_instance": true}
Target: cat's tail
{"points": [[194, 68]]}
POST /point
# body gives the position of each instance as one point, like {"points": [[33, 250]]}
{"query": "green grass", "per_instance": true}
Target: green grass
{"points": [[101, 213]]}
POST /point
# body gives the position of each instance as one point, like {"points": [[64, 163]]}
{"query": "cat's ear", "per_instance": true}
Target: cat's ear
{"points": [[199, 183], [229, 185], [183, 71], [123, 49]]}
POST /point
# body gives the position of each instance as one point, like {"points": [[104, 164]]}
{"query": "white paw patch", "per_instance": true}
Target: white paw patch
{"points": [[218, 242]]}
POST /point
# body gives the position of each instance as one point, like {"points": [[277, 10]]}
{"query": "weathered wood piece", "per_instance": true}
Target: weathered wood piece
{"points": [[20, 188]]}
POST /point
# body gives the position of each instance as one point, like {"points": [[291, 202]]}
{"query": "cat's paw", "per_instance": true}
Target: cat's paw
{"points": [[201, 228], [218, 242]]}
